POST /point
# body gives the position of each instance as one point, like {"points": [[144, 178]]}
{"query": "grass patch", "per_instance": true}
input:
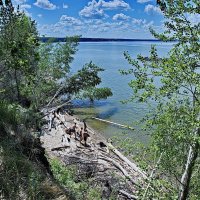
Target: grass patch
{"points": [[21, 178], [66, 176]]}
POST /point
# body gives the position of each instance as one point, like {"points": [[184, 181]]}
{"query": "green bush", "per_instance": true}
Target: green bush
{"points": [[66, 176], [19, 178]]}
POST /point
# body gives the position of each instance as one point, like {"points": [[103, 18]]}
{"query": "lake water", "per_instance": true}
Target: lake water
{"points": [[109, 55]]}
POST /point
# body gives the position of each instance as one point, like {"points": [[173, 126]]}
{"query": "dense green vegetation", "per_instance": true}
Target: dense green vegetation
{"points": [[175, 120], [22, 175], [68, 178], [32, 73], [33, 76]]}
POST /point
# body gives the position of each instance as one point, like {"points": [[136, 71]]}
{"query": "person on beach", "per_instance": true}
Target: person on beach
{"points": [[81, 135], [72, 130], [85, 137], [51, 120], [85, 125]]}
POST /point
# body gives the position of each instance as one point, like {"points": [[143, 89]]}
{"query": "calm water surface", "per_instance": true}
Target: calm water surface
{"points": [[109, 55]]}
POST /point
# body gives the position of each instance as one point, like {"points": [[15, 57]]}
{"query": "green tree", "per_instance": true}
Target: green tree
{"points": [[33, 73], [55, 78], [175, 121], [18, 53]]}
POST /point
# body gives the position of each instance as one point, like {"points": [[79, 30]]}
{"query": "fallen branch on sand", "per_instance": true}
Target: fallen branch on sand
{"points": [[126, 194], [118, 166], [113, 123], [59, 148], [122, 157], [85, 160]]}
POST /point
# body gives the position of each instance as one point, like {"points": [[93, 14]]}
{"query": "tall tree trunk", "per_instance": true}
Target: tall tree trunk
{"points": [[186, 177], [17, 86]]}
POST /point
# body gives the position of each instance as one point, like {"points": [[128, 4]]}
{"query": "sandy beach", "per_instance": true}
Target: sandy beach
{"points": [[98, 160]]}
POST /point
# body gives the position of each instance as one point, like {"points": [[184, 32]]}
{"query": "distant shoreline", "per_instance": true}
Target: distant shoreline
{"points": [[58, 39]]}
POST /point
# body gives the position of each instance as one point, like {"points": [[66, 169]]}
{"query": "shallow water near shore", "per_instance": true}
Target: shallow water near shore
{"points": [[109, 55]]}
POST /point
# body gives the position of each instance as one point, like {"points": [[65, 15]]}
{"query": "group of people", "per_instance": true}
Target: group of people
{"points": [[81, 133]]}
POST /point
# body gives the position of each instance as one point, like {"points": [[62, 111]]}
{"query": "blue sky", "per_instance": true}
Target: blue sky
{"points": [[94, 18]]}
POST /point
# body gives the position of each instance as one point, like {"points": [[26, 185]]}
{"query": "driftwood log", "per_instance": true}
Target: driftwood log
{"points": [[118, 166], [59, 148], [126, 194], [113, 123], [122, 157]]}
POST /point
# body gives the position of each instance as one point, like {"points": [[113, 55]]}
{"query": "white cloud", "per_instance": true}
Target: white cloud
{"points": [[25, 6], [69, 21], [96, 9], [147, 25], [137, 21], [133, 28], [152, 9], [22, 6], [143, 1], [45, 4], [92, 11], [67, 25], [114, 5], [120, 16], [40, 15], [65, 6]]}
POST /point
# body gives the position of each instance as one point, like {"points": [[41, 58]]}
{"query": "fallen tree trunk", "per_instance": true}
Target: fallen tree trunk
{"points": [[59, 148], [113, 123], [126, 194], [59, 106], [56, 94], [61, 120], [47, 111], [122, 157], [85, 160], [118, 166]]}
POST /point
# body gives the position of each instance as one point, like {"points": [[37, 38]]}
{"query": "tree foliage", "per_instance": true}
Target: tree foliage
{"points": [[55, 76], [18, 52], [173, 83], [33, 72], [32, 76]]}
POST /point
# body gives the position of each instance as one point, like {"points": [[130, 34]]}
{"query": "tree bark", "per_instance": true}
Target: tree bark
{"points": [[186, 177]]}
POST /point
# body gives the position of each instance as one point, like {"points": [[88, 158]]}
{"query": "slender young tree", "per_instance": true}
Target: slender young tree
{"points": [[173, 83]]}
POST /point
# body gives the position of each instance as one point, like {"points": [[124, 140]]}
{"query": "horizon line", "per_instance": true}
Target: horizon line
{"points": [[95, 39]]}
